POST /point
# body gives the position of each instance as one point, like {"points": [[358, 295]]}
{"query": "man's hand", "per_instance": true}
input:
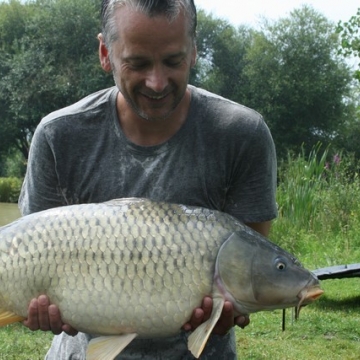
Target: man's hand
{"points": [[46, 317], [224, 324]]}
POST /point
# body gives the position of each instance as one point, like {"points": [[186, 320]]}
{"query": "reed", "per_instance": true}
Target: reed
{"points": [[319, 207]]}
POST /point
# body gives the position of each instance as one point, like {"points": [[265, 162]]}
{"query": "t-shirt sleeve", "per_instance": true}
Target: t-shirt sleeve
{"points": [[251, 196], [40, 189]]}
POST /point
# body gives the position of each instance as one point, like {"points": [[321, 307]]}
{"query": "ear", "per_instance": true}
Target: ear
{"points": [[104, 54], [193, 56]]}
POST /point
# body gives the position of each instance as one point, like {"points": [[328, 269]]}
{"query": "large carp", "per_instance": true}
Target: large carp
{"points": [[148, 264]]}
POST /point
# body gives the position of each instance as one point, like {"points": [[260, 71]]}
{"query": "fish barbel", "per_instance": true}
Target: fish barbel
{"points": [[148, 264]]}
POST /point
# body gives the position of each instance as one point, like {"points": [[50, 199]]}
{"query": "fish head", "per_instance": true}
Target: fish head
{"points": [[255, 274]]}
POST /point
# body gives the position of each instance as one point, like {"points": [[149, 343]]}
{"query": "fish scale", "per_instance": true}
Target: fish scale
{"points": [[135, 266]]}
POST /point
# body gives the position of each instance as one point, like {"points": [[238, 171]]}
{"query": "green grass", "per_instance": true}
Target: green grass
{"points": [[19, 343], [319, 221], [328, 329]]}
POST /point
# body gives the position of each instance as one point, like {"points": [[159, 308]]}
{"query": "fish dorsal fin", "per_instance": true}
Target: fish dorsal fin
{"points": [[198, 339], [107, 347], [124, 201], [8, 317]]}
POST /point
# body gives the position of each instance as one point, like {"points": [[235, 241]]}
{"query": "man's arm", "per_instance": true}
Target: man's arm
{"points": [[261, 227]]}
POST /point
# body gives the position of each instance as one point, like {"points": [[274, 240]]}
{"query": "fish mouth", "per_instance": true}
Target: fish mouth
{"points": [[307, 296]]}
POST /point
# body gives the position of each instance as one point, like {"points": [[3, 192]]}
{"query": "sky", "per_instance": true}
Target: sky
{"points": [[249, 12]]}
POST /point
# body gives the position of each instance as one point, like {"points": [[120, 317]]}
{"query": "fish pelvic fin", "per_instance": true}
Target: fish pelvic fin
{"points": [[8, 317], [198, 339], [107, 347]]}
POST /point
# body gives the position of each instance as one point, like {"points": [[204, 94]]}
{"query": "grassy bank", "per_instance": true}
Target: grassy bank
{"points": [[319, 221]]}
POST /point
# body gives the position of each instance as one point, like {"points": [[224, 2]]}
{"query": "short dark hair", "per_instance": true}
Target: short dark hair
{"points": [[170, 8]]}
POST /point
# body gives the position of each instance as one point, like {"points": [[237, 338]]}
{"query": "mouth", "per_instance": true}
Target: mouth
{"points": [[307, 296], [154, 97]]}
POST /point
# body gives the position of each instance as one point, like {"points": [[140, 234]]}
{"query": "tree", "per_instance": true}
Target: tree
{"points": [[50, 61], [297, 80], [350, 38], [221, 56]]}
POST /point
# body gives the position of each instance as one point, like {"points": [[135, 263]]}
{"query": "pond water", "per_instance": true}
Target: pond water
{"points": [[8, 213]]}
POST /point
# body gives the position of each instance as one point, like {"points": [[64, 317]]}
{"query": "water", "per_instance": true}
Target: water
{"points": [[8, 213]]}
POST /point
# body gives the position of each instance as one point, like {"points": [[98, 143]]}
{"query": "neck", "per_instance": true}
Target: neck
{"points": [[146, 132]]}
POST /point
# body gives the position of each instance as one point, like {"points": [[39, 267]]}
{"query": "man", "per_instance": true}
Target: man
{"points": [[153, 136]]}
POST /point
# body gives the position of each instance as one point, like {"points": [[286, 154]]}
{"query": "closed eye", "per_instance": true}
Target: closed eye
{"points": [[173, 62]]}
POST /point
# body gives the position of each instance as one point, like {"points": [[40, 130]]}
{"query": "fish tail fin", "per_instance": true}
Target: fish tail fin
{"points": [[107, 347], [8, 317]]}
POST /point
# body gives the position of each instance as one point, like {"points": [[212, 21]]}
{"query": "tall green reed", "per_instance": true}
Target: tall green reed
{"points": [[319, 206], [300, 183]]}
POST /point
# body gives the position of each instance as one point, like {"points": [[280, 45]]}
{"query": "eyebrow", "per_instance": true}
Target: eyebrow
{"points": [[141, 57]]}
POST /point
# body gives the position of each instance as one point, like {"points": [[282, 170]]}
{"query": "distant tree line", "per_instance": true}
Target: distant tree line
{"points": [[290, 70]]}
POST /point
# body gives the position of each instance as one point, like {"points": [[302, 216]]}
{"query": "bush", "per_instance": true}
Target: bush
{"points": [[10, 189]]}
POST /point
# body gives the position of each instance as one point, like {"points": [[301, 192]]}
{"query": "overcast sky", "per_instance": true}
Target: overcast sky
{"points": [[248, 12]]}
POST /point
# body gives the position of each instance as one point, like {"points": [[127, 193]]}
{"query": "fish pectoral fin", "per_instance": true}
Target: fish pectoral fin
{"points": [[107, 347], [198, 339], [8, 317]]}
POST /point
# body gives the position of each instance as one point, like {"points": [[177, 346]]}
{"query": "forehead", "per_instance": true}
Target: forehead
{"points": [[137, 28]]}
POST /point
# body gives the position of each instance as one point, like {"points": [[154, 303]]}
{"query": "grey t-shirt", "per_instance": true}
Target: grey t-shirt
{"points": [[222, 158]]}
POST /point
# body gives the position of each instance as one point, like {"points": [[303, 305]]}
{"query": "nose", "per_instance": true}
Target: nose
{"points": [[157, 79]]}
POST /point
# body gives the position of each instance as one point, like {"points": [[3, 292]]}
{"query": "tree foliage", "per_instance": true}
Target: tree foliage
{"points": [[297, 80], [350, 38], [49, 61], [289, 71], [221, 56]]}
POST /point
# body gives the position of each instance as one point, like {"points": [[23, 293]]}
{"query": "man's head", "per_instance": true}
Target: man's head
{"points": [[149, 45]]}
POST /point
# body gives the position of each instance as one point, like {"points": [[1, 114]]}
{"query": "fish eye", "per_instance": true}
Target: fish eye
{"points": [[280, 264]]}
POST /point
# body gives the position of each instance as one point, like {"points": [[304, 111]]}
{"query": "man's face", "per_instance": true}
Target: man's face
{"points": [[151, 62]]}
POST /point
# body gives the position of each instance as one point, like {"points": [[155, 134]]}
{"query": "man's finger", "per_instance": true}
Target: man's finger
{"points": [[242, 321], [55, 319], [32, 320], [69, 330], [206, 306], [43, 312]]}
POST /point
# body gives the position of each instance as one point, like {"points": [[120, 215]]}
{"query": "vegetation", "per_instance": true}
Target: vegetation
{"points": [[10, 189], [319, 221], [48, 60], [350, 38], [319, 208], [298, 82]]}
